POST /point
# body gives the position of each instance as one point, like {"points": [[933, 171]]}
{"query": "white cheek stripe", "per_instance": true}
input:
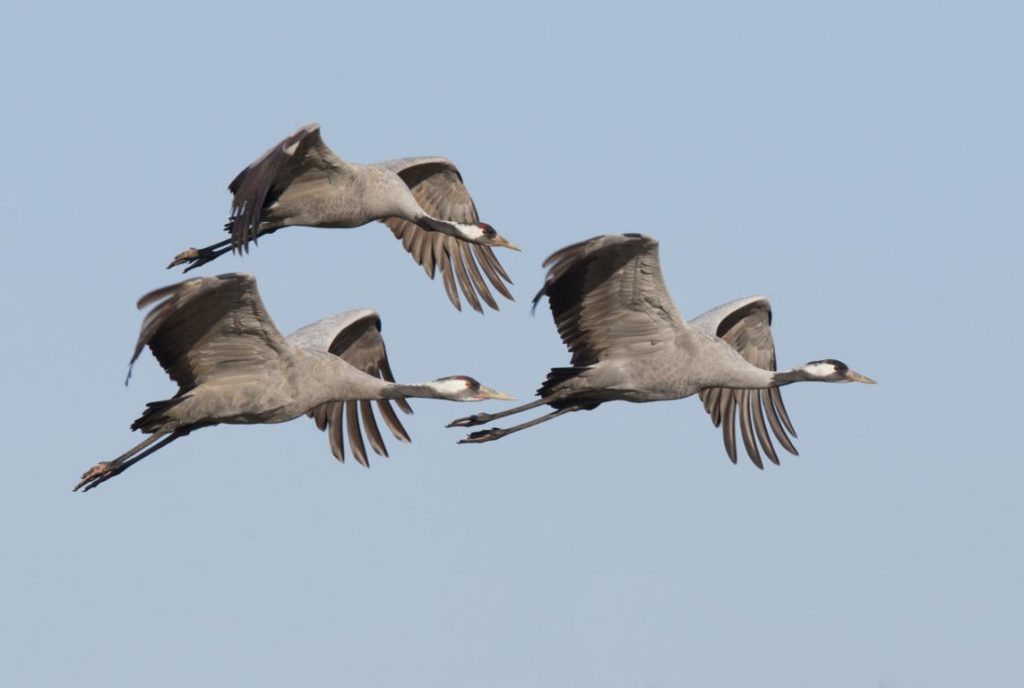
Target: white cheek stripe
{"points": [[452, 386], [820, 369], [469, 231]]}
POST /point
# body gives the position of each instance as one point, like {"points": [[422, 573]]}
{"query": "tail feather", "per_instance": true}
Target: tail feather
{"points": [[558, 397], [155, 416]]}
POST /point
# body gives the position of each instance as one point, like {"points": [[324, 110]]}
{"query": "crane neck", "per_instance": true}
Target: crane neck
{"points": [[336, 380], [422, 390]]}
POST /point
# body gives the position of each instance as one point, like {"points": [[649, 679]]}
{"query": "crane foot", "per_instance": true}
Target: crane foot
{"points": [[468, 421], [187, 256], [102, 471], [483, 436]]}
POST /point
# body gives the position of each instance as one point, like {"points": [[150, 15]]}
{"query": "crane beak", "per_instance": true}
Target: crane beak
{"points": [[488, 393], [857, 377], [502, 241]]}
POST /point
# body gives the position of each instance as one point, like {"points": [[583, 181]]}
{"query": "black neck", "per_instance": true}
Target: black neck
{"points": [[436, 225], [788, 377]]}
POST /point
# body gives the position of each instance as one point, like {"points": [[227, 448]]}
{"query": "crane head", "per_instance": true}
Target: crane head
{"points": [[465, 388], [489, 237], [831, 370]]}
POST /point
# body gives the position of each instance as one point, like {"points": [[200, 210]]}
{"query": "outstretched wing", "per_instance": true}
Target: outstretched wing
{"points": [[608, 298], [207, 327], [437, 186], [302, 159], [745, 325], [355, 337]]}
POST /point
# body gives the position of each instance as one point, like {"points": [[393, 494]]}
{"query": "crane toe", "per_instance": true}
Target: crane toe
{"points": [[468, 421], [186, 256], [483, 436], [97, 474]]}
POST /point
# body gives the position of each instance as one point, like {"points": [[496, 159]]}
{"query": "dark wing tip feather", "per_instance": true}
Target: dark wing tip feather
{"points": [[361, 345], [747, 329], [355, 437], [463, 265], [256, 187], [573, 274], [334, 431], [295, 137], [372, 431], [437, 186], [392, 421], [185, 320], [753, 407]]}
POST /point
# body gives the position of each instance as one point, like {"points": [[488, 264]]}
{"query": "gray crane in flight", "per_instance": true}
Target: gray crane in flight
{"points": [[629, 343], [300, 181], [215, 339]]}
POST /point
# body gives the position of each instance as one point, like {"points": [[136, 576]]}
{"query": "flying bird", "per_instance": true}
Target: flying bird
{"points": [[300, 181], [215, 339], [629, 343]]}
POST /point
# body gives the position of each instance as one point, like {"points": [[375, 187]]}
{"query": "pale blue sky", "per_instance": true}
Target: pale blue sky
{"points": [[858, 163]]}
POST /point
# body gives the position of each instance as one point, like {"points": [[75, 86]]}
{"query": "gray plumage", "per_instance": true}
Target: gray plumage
{"points": [[300, 181], [629, 343], [215, 339]]}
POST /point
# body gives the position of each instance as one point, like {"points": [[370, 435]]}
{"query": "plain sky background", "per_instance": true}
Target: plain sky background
{"points": [[858, 163]]}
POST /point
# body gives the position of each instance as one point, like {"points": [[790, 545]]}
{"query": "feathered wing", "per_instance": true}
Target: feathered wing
{"points": [[207, 327], [746, 326], [354, 337], [300, 160], [437, 186], [608, 298]]}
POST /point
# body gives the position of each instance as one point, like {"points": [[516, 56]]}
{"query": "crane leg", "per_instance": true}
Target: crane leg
{"points": [[105, 470], [497, 433], [201, 256], [480, 418]]}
